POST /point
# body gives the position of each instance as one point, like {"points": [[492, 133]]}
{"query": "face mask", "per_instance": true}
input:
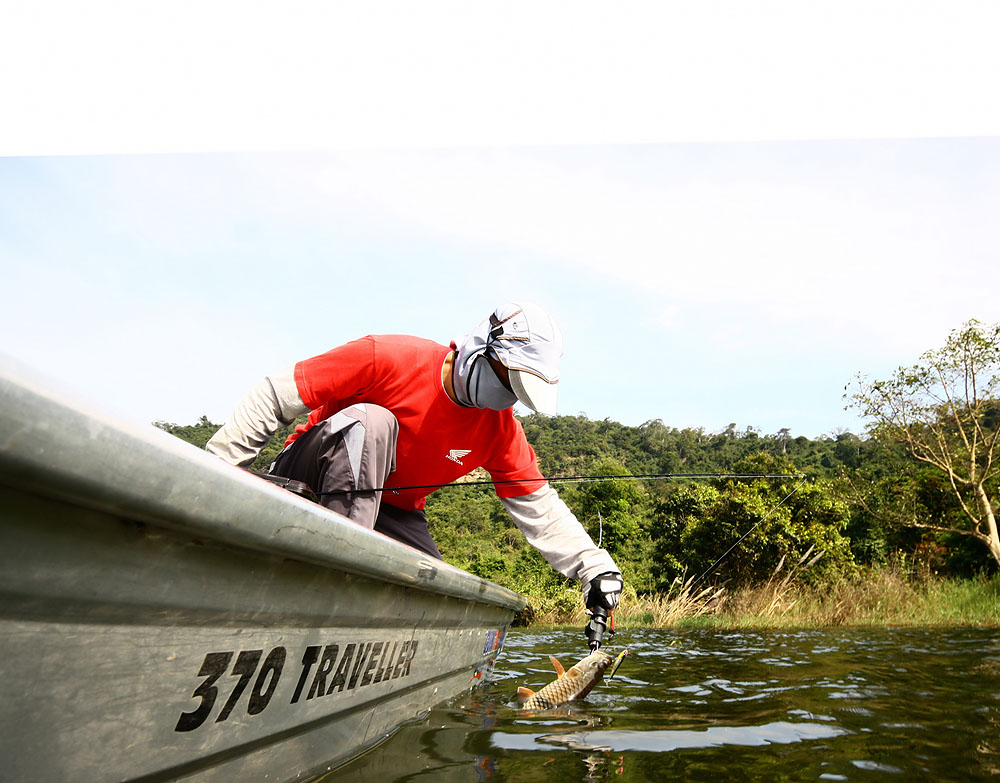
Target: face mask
{"points": [[485, 389], [476, 384]]}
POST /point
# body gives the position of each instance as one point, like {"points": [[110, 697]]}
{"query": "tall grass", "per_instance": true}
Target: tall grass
{"points": [[877, 597], [657, 611], [683, 601], [888, 596]]}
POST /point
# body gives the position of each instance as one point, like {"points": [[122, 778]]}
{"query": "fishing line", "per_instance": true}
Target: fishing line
{"points": [[745, 535]]}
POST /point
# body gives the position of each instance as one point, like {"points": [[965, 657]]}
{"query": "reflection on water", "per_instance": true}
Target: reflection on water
{"points": [[660, 741], [840, 705]]}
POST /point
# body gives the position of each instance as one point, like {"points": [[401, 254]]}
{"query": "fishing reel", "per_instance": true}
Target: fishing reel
{"points": [[600, 627], [601, 598]]}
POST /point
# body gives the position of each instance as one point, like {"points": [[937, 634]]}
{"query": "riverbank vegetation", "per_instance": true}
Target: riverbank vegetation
{"points": [[895, 526], [873, 596]]}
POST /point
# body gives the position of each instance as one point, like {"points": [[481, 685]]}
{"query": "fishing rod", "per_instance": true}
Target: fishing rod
{"points": [[601, 621], [566, 480], [615, 477], [302, 489]]}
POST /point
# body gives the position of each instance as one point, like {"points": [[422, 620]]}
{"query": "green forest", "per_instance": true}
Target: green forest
{"points": [[916, 491]]}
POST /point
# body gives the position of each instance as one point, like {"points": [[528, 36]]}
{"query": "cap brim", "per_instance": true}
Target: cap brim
{"points": [[537, 393]]}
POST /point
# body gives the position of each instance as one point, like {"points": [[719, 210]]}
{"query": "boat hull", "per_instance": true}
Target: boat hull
{"points": [[164, 616]]}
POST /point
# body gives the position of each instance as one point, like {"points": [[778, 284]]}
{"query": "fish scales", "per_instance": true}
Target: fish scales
{"points": [[575, 683]]}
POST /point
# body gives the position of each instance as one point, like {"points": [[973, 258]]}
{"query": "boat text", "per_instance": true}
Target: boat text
{"points": [[324, 670]]}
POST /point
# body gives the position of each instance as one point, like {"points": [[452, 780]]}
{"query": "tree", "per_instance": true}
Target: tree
{"points": [[697, 523], [195, 434], [945, 411], [199, 434]]}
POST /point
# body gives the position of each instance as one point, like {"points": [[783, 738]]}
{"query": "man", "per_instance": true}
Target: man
{"points": [[412, 415]]}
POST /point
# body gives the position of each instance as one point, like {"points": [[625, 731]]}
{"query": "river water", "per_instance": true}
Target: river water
{"points": [[705, 705]]}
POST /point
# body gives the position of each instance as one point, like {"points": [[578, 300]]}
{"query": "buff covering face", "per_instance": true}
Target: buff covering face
{"points": [[486, 390], [476, 384], [482, 388]]}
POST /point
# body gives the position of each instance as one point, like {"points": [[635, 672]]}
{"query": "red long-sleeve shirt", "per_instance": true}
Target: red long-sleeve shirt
{"points": [[439, 440]]}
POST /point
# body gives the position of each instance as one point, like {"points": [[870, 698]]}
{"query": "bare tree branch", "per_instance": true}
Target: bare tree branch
{"points": [[946, 529]]}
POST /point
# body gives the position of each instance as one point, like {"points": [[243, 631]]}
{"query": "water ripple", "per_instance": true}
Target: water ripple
{"points": [[703, 705]]}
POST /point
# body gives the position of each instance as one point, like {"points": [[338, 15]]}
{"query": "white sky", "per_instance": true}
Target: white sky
{"points": [[731, 208]]}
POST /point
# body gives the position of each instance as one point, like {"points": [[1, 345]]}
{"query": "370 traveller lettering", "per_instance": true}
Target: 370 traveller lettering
{"points": [[325, 669]]}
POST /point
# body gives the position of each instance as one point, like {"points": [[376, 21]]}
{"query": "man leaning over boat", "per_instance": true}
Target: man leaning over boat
{"points": [[412, 414]]}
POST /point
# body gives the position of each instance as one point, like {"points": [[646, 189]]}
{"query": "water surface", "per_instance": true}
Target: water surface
{"points": [[705, 705]]}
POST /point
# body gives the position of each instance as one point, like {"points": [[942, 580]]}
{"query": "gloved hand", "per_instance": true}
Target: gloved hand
{"points": [[603, 591]]}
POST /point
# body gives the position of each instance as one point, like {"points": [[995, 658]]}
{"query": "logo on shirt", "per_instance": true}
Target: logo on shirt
{"points": [[455, 455]]}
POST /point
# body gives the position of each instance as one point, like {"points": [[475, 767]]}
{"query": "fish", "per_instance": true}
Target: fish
{"points": [[575, 683]]}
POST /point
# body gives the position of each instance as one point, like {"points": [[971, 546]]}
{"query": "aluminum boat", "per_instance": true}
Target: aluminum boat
{"points": [[166, 616]]}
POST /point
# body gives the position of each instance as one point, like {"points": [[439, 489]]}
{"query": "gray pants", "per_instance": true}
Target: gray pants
{"points": [[342, 459]]}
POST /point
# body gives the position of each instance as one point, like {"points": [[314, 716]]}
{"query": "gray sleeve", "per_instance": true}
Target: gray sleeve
{"points": [[550, 527], [272, 403]]}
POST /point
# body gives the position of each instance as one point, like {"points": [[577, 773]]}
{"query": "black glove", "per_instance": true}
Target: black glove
{"points": [[603, 591]]}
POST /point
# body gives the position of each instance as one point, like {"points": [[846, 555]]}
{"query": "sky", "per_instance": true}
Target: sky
{"points": [[715, 252]]}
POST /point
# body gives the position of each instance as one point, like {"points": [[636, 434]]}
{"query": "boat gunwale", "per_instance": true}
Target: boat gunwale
{"points": [[53, 447]]}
